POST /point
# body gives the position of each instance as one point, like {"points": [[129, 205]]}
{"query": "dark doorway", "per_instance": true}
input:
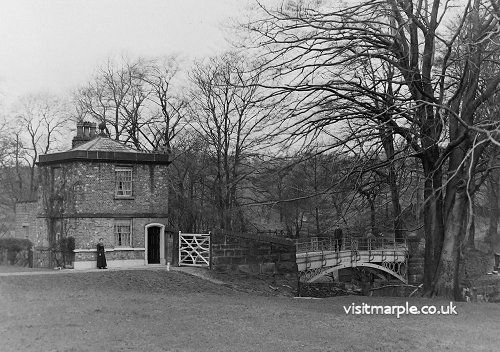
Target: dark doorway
{"points": [[154, 245]]}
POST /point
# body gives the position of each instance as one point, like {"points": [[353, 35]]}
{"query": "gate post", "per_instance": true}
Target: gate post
{"points": [[179, 250], [210, 253]]}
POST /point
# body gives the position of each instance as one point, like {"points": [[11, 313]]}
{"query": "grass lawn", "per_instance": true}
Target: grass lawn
{"points": [[156, 310], [20, 269]]}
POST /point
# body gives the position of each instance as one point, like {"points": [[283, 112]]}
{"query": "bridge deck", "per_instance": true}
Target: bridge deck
{"points": [[315, 257], [318, 259]]}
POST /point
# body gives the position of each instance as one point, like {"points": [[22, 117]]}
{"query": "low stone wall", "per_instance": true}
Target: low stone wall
{"points": [[115, 257], [253, 254], [111, 264]]}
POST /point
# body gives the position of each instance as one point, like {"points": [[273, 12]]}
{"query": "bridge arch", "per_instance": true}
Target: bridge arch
{"points": [[364, 264]]}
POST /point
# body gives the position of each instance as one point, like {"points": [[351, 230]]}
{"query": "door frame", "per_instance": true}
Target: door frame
{"points": [[162, 243]]}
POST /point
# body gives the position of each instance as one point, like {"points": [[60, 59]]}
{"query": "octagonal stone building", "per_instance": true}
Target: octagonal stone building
{"points": [[102, 188]]}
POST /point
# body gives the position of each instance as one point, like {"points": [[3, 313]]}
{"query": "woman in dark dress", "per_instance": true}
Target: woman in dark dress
{"points": [[101, 256]]}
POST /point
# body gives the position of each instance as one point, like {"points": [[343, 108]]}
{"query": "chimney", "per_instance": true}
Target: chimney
{"points": [[85, 131], [79, 129]]}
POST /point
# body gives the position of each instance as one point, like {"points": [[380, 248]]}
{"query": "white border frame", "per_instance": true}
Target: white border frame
{"points": [[162, 243]]}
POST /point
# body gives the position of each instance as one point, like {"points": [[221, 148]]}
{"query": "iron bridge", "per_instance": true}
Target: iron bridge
{"points": [[318, 258]]}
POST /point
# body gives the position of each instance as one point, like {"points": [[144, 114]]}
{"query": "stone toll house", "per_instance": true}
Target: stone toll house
{"points": [[101, 188]]}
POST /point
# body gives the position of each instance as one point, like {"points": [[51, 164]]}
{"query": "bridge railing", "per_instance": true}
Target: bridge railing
{"points": [[349, 244], [367, 244], [318, 245]]}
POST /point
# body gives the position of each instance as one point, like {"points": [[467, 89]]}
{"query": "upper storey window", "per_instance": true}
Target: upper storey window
{"points": [[123, 182]]}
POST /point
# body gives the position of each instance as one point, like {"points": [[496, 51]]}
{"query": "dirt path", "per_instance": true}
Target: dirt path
{"points": [[156, 310]]}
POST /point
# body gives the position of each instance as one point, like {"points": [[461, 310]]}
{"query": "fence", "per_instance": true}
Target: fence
{"points": [[51, 258]]}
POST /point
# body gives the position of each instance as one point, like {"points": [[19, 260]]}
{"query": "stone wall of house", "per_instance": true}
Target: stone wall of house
{"points": [[87, 231], [89, 188], [81, 197], [150, 189], [253, 254], [26, 221], [111, 254]]}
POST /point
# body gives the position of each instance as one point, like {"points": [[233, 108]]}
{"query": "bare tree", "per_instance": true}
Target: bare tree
{"points": [[11, 170], [41, 120], [172, 106], [137, 100], [435, 84], [227, 111]]}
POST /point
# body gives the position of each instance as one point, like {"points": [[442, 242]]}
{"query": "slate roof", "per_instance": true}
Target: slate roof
{"points": [[104, 149], [105, 144]]}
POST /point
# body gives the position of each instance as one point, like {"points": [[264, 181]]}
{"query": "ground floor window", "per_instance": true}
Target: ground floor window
{"points": [[123, 232]]}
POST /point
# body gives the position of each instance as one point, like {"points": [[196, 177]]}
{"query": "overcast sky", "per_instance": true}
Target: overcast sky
{"points": [[56, 44]]}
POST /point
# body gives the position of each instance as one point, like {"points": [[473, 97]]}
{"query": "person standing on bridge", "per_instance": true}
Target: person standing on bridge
{"points": [[338, 237]]}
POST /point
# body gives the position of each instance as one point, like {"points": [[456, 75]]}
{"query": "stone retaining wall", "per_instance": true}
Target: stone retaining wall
{"points": [[263, 254]]}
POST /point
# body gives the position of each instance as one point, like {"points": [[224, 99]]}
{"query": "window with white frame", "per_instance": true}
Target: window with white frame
{"points": [[123, 232], [123, 181]]}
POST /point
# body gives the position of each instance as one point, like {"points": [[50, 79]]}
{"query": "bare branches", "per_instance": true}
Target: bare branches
{"points": [[229, 113], [41, 121], [391, 68], [137, 100]]}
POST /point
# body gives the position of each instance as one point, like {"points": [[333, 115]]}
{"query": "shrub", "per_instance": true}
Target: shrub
{"points": [[66, 245], [13, 246]]}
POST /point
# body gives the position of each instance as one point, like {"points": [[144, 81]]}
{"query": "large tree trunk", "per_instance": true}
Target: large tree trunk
{"points": [[471, 226], [388, 144], [433, 223], [396, 206], [494, 208], [447, 283]]}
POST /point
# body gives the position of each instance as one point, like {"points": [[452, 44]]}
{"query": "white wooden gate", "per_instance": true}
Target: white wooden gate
{"points": [[194, 249]]}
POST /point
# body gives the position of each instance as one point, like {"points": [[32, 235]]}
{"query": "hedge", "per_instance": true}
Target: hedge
{"points": [[15, 244]]}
